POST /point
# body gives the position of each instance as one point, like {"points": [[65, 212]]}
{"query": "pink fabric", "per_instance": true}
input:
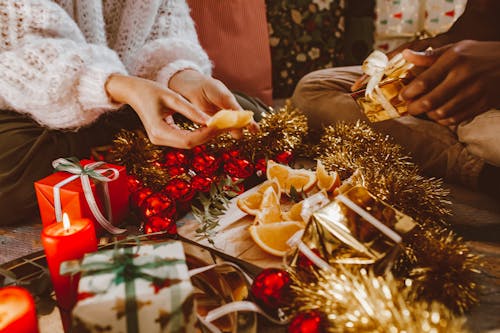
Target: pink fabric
{"points": [[235, 36]]}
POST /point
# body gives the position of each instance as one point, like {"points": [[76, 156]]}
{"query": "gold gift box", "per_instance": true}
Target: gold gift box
{"points": [[356, 228], [380, 100], [374, 110]]}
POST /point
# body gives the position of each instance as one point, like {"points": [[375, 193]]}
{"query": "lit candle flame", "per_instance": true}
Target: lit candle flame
{"points": [[66, 223]]}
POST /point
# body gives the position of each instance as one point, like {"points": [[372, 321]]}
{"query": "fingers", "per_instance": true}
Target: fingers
{"points": [[179, 104], [442, 93], [431, 77], [172, 136]]}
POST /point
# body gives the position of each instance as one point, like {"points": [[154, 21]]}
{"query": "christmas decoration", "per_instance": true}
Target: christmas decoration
{"points": [[307, 322], [156, 224], [179, 189], [271, 288], [439, 263], [359, 301]]}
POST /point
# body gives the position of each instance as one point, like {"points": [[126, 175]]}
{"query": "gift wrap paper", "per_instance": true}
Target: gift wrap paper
{"points": [[342, 236], [152, 293]]}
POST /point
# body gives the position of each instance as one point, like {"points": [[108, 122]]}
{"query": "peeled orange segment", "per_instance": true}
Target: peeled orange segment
{"points": [[327, 181], [269, 209], [272, 237], [251, 202], [294, 213], [277, 172], [301, 180], [230, 119], [286, 177]]}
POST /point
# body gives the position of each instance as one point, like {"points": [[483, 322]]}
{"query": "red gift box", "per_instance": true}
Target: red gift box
{"points": [[74, 202]]}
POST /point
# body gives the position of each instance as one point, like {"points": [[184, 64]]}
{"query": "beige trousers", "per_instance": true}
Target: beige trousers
{"points": [[454, 154]]}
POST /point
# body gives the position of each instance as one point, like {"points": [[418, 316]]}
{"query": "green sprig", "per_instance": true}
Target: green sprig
{"points": [[212, 206]]}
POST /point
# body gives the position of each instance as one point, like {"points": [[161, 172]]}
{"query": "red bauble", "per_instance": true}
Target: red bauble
{"points": [[239, 168], [271, 288], [137, 198], [158, 223], [133, 183], [260, 167], [158, 204], [199, 149], [226, 156], [179, 189], [174, 171], [284, 157], [304, 262], [307, 322], [177, 157], [205, 164], [201, 183]]}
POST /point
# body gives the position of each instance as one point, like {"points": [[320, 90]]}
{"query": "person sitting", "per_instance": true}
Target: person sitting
{"points": [[453, 103], [71, 70]]}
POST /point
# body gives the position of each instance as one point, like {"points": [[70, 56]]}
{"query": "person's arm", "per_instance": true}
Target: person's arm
{"points": [[48, 70]]}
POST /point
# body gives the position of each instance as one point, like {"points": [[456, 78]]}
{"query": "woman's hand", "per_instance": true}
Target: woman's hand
{"points": [[206, 93], [155, 106], [461, 81]]}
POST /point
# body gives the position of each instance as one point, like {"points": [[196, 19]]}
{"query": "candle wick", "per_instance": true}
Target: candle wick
{"points": [[66, 222]]}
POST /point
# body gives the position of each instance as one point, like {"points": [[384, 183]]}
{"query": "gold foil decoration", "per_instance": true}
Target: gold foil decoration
{"points": [[357, 228]]}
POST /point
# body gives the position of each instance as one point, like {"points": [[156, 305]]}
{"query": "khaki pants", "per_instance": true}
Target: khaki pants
{"points": [[454, 154], [27, 151]]}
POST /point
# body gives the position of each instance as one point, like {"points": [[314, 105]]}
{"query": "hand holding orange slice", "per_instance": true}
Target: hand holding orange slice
{"points": [[230, 119]]}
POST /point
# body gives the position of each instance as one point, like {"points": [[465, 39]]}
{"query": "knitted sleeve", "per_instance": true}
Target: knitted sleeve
{"points": [[48, 71], [171, 46]]}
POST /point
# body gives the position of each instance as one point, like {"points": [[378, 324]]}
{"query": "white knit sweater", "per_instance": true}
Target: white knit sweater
{"points": [[55, 56]]}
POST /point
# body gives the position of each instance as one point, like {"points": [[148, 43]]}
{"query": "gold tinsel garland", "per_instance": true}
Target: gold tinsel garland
{"points": [[358, 301], [387, 172], [439, 262], [280, 131]]}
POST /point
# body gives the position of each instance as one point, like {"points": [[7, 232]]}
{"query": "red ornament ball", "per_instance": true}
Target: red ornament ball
{"points": [[199, 149], [271, 288], [137, 198], [226, 156], [239, 168], [284, 157], [205, 164], [174, 170], [260, 167], [176, 157], [179, 189], [133, 183], [158, 204], [307, 322], [201, 183], [158, 223]]}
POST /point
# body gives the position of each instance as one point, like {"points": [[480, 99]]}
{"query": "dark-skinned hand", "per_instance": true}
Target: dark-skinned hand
{"points": [[460, 82]]}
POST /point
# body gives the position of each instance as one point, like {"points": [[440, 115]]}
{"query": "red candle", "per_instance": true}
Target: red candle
{"points": [[17, 311], [67, 241]]}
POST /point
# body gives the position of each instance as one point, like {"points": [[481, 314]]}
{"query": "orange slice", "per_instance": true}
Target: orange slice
{"points": [[294, 213], [250, 203], [269, 209], [272, 237], [230, 119], [327, 181], [286, 177]]}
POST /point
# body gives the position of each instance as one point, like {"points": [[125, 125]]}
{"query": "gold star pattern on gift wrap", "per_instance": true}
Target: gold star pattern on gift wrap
{"points": [[120, 306], [163, 318]]}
